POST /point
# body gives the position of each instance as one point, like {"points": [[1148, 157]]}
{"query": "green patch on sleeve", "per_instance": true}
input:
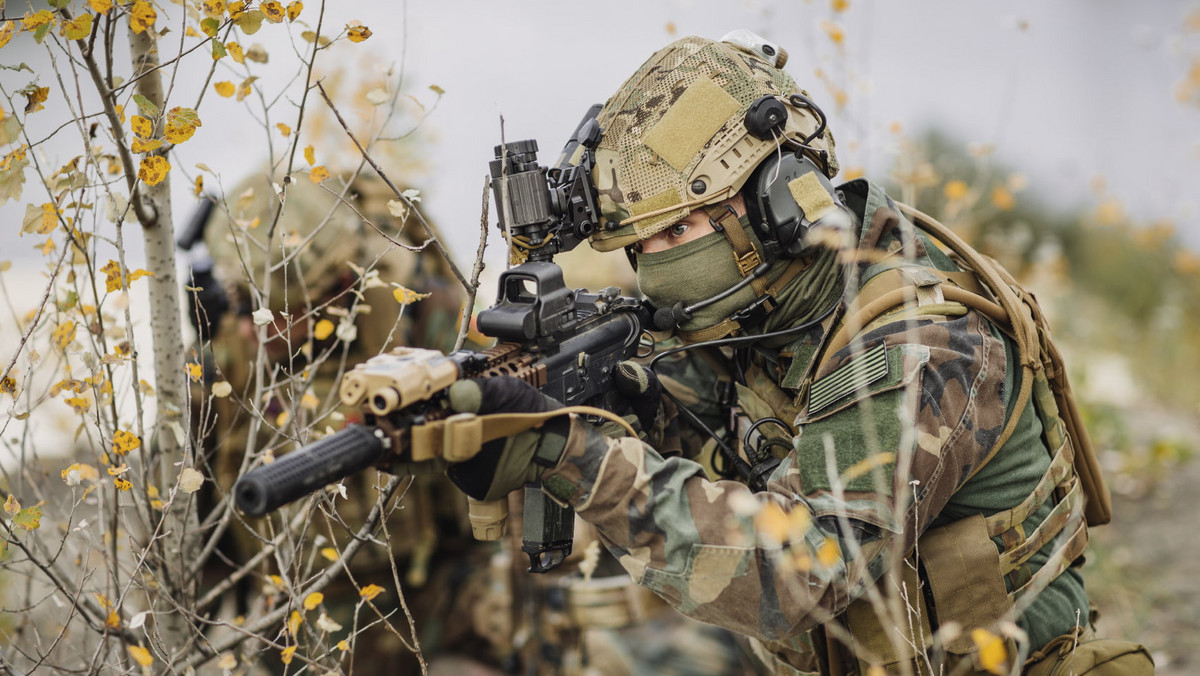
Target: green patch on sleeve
{"points": [[861, 433]]}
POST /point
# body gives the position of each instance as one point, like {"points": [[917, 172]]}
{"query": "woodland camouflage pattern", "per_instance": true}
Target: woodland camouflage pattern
{"points": [[773, 565]]}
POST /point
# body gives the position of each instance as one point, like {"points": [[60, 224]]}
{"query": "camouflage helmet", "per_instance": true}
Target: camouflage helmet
{"points": [[675, 136]]}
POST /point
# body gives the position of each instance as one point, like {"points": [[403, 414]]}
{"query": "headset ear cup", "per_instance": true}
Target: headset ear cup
{"points": [[779, 221]]}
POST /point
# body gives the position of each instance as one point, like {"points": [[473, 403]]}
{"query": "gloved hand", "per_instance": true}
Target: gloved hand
{"points": [[642, 391], [504, 465]]}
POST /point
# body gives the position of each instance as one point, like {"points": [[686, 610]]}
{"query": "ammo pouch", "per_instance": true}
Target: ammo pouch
{"points": [[1071, 655]]}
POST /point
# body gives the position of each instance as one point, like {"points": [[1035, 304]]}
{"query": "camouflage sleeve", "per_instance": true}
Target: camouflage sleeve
{"points": [[870, 470]]}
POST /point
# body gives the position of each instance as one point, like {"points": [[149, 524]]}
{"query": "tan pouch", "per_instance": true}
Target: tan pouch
{"points": [[1100, 657]]}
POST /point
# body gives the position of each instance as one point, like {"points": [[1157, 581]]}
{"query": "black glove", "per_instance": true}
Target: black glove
{"points": [[504, 465], [642, 392]]}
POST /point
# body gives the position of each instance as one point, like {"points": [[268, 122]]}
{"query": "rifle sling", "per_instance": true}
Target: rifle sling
{"points": [[460, 436]]}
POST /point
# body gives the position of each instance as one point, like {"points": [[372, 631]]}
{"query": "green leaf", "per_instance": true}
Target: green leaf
{"points": [[29, 518], [40, 33], [218, 50], [210, 26], [148, 109], [59, 4], [69, 302]]}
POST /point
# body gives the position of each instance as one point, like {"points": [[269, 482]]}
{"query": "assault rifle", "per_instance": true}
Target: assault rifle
{"points": [[565, 342]]}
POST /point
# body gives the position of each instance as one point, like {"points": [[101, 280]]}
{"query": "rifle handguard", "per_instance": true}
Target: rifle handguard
{"points": [[459, 437]]}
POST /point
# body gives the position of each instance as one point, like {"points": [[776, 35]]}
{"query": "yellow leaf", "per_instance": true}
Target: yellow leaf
{"points": [[8, 386], [437, 90], [955, 190], [112, 276], [181, 124], [63, 334], [829, 552], [141, 655], [78, 28], [343, 645], [7, 31], [405, 296], [309, 401], [834, 31], [153, 170], [992, 653], [79, 404], [11, 505], [273, 11], [294, 9], [194, 371], [100, 6], [284, 129], [39, 219], [235, 52], [35, 97], [224, 88], [122, 484], [313, 600], [282, 419], [309, 155], [772, 523], [214, 8], [330, 553], [294, 622], [358, 33], [1002, 199], [244, 89], [113, 621], [139, 146], [323, 329], [124, 442], [36, 20], [286, 655], [318, 174], [28, 519], [79, 472], [142, 16], [840, 5], [227, 662], [370, 591], [862, 467], [198, 186]]}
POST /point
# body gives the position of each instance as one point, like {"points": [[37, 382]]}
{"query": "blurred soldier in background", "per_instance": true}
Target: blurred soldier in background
{"points": [[341, 288]]}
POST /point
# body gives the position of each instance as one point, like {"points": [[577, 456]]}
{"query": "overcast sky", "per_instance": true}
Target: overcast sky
{"points": [[1067, 91]]}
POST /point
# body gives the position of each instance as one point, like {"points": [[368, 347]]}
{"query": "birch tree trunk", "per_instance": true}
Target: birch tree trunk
{"points": [[179, 544]]}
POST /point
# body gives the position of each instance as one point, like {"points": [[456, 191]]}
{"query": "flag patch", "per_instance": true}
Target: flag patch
{"points": [[856, 374]]}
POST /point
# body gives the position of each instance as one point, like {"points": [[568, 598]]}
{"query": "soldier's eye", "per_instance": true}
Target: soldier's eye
{"points": [[677, 230]]}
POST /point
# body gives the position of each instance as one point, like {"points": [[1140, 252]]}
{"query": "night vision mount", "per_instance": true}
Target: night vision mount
{"points": [[547, 211]]}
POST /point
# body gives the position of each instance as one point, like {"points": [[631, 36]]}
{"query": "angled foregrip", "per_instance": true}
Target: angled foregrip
{"points": [[269, 487]]}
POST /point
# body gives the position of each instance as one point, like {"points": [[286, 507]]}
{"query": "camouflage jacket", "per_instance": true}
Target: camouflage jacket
{"points": [[873, 461]]}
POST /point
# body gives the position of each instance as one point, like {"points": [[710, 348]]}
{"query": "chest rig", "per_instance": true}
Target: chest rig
{"points": [[962, 566]]}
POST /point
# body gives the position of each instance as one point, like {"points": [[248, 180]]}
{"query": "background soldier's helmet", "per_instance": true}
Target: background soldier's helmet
{"points": [[675, 138]]}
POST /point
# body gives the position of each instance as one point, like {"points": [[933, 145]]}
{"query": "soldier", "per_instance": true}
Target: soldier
{"points": [[896, 479], [338, 271]]}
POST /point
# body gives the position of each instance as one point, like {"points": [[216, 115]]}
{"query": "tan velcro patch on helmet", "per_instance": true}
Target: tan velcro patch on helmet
{"points": [[690, 122], [812, 197]]}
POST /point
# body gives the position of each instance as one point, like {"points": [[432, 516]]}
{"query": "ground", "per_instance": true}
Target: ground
{"points": [[1142, 572]]}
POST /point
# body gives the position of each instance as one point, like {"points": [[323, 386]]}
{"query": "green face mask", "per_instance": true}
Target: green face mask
{"points": [[691, 272]]}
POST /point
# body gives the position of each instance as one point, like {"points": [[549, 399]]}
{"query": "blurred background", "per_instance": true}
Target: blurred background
{"points": [[1062, 138]]}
